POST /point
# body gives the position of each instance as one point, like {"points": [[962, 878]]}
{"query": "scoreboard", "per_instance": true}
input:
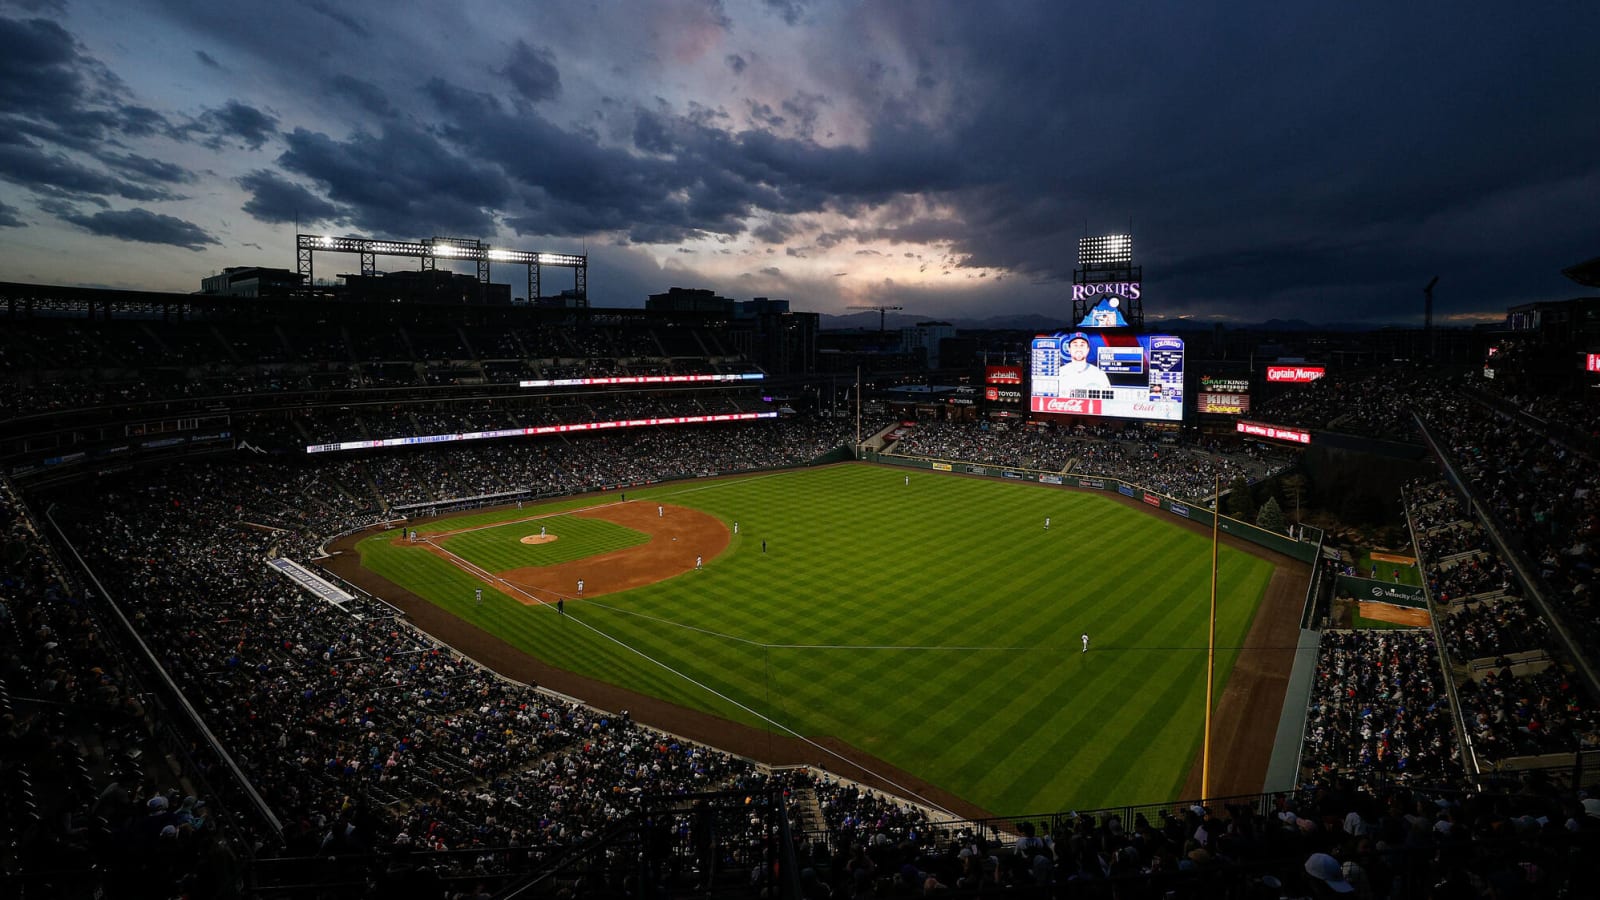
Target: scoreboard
{"points": [[1108, 373]]}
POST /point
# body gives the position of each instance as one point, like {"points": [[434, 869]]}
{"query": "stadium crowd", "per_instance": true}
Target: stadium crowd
{"points": [[369, 737], [1132, 454], [1371, 405], [51, 365], [1379, 705], [366, 735]]}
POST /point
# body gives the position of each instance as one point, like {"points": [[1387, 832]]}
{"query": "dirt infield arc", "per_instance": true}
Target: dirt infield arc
{"points": [[1244, 724], [678, 536]]}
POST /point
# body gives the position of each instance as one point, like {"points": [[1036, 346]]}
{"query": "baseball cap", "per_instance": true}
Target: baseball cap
{"points": [[1325, 868], [1076, 336]]}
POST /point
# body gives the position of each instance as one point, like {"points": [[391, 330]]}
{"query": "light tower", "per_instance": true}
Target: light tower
{"points": [[1105, 269]]}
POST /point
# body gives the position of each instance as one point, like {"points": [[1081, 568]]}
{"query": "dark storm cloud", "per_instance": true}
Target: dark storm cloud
{"points": [[143, 167], [1300, 147], [401, 181], [143, 226], [736, 63], [51, 89], [235, 123], [773, 231], [651, 133], [276, 199], [700, 179], [364, 94], [29, 166], [63, 111], [532, 72], [10, 217], [207, 60]]}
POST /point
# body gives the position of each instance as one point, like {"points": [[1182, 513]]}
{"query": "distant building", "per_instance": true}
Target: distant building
{"points": [[927, 336], [251, 281], [780, 341], [683, 300]]}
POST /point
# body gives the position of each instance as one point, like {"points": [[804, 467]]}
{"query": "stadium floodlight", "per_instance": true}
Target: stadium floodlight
{"points": [[306, 246], [1105, 251]]}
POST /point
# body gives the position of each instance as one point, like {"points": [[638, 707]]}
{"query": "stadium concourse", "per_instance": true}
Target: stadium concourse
{"points": [[345, 753]]}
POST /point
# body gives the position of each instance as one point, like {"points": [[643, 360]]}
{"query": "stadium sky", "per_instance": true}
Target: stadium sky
{"points": [[1292, 160]]}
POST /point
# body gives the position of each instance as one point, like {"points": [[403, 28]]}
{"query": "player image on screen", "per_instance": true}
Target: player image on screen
{"points": [[1078, 373], [1106, 314], [1108, 373]]}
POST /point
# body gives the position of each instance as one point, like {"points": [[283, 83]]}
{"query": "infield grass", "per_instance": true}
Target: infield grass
{"points": [[936, 626]]}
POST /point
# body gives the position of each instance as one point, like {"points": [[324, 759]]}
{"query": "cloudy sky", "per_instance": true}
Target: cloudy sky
{"points": [[1310, 160]]}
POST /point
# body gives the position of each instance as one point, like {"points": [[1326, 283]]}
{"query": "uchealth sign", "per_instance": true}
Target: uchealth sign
{"points": [[1295, 374], [1257, 429], [1002, 374]]}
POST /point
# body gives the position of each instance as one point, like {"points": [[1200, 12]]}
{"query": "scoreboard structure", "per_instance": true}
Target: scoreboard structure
{"points": [[1117, 374]]}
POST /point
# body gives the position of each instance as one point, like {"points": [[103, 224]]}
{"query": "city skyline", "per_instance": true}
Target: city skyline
{"points": [[1314, 164]]}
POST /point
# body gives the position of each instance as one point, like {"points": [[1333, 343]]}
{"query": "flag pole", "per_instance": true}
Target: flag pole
{"points": [[1211, 642]]}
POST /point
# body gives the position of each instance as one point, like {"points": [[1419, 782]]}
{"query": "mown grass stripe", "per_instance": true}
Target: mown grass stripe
{"points": [[857, 557]]}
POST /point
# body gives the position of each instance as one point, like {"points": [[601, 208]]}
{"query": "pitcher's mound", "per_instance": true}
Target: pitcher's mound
{"points": [[538, 538]]}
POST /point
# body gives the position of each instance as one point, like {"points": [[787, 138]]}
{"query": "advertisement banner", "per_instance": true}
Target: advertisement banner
{"points": [[1222, 404], [943, 467], [1382, 591], [1295, 374], [1071, 405], [1125, 491], [1258, 429], [1049, 479], [1098, 484], [1594, 362], [1152, 499], [1002, 374], [977, 470], [1179, 509], [1224, 385]]}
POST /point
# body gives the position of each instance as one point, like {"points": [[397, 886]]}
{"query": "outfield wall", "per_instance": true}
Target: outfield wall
{"points": [[1271, 540]]}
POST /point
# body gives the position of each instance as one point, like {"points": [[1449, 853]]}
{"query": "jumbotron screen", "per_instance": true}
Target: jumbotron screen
{"points": [[1108, 373]]}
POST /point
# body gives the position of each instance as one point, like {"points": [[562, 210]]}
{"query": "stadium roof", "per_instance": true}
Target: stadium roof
{"points": [[1586, 273]]}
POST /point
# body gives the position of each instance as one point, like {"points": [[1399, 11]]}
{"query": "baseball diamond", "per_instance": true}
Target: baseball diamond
{"points": [[926, 640]]}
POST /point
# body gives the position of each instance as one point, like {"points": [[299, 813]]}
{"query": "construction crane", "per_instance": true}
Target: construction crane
{"points": [[883, 312]]}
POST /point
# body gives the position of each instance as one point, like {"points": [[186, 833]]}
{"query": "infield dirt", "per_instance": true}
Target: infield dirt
{"points": [[678, 536]]}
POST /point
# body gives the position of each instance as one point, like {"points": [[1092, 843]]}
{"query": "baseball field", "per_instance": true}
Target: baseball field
{"points": [[932, 628]]}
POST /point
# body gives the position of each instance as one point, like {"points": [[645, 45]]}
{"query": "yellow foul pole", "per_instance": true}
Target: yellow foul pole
{"points": [[1211, 643]]}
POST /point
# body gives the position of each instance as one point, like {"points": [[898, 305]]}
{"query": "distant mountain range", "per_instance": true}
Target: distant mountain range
{"points": [[868, 321]]}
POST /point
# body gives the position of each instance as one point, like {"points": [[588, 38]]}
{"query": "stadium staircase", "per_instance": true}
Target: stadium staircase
{"points": [[805, 811]]}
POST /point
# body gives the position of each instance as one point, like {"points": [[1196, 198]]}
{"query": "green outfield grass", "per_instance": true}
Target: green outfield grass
{"points": [[934, 625], [1408, 574]]}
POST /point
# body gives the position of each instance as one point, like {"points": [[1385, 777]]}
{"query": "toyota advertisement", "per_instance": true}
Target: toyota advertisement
{"points": [[1108, 373]]}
